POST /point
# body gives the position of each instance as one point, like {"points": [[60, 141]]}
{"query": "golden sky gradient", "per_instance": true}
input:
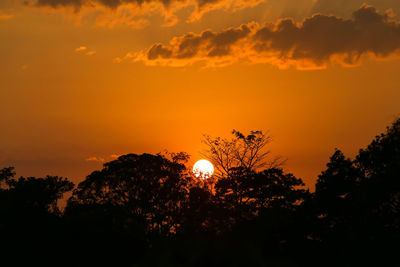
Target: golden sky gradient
{"points": [[84, 80]]}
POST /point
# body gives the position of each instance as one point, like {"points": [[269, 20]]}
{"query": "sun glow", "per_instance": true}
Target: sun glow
{"points": [[203, 169]]}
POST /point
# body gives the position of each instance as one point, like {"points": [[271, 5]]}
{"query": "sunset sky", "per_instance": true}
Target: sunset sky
{"points": [[83, 81]]}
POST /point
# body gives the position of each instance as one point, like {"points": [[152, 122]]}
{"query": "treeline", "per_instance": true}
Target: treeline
{"points": [[149, 210]]}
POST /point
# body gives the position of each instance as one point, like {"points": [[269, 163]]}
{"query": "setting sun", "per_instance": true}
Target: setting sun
{"points": [[200, 132], [203, 169]]}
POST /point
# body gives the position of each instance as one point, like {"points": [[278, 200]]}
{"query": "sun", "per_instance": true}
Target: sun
{"points": [[203, 169]]}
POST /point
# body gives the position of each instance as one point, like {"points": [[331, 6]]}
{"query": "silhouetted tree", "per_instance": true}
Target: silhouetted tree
{"points": [[332, 203], [6, 174], [30, 224], [31, 192], [197, 211], [335, 185], [380, 164], [241, 187], [357, 202], [149, 187], [249, 192], [379, 193], [246, 152]]}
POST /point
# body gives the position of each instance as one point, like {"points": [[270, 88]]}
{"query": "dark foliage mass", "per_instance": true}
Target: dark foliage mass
{"points": [[149, 210]]}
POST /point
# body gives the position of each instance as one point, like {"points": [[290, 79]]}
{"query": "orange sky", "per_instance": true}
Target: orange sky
{"points": [[82, 80]]}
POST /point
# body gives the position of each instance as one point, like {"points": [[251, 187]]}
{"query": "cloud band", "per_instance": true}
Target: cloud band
{"points": [[317, 41]]}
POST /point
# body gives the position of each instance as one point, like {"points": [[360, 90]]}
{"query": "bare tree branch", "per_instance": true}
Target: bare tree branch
{"points": [[242, 151]]}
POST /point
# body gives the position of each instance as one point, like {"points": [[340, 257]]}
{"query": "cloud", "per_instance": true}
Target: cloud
{"points": [[204, 6], [101, 159], [84, 48], [118, 10], [95, 159], [128, 56], [122, 18], [314, 43], [77, 4], [81, 48], [6, 16], [345, 7]]}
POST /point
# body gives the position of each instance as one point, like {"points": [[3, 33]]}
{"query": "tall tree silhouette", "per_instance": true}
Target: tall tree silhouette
{"points": [[380, 191], [335, 186], [357, 201], [150, 187], [247, 182]]}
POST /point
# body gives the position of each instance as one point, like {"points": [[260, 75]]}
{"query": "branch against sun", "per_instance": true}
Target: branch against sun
{"points": [[242, 151], [203, 169]]}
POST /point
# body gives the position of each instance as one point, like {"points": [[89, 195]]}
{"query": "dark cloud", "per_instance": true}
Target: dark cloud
{"points": [[201, 6], [346, 7], [206, 44], [60, 3], [313, 43], [321, 37], [298, 9], [158, 50]]}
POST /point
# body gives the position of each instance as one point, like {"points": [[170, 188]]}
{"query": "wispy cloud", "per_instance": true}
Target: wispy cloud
{"points": [[128, 56], [127, 15], [115, 156], [131, 12], [90, 53], [6, 16], [95, 159], [81, 48], [314, 43], [84, 49], [102, 159]]}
